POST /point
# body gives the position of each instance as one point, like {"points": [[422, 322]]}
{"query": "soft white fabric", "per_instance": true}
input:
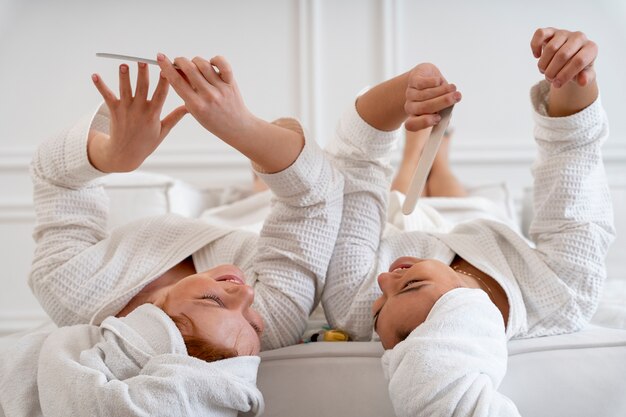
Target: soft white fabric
{"points": [[425, 377], [131, 366], [553, 284], [81, 273], [248, 213]]}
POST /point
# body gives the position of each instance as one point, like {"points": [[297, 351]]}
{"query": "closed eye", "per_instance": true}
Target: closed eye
{"points": [[214, 298], [220, 303], [409, 283], [256, 328]]}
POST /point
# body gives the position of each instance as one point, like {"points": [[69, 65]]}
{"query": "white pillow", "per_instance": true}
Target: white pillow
{"points": [[140, 194]]}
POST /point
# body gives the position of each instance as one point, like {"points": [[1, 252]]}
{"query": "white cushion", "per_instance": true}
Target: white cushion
{"points": [[140, 194], [581, 374]]}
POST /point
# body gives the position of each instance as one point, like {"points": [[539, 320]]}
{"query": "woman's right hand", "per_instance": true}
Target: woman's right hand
{"points": [[427, 93], [211, 94]]}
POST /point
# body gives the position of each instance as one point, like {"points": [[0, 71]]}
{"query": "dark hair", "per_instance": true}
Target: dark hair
{"points": [[202, 348]]}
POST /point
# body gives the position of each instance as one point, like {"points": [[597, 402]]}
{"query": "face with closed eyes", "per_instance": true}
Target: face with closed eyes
{"points": [[410, 289], [216, 305]]}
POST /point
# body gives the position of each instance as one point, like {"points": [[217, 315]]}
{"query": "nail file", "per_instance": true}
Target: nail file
{"points": [[426, 162], [127, 58]]}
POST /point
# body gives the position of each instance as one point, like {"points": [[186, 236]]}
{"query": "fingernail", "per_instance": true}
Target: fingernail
{"points": [[142, 65], [557, 83], [160, 57], [457, 96], [548, 79], [123, 68], [94, 77]]}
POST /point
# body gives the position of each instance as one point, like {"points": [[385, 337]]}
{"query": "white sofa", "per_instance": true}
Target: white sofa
{"points": [[581, 374]]}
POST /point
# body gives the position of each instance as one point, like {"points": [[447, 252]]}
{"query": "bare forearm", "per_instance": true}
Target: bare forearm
{"points": [[271, 148], [571, 98], [382, 107]]}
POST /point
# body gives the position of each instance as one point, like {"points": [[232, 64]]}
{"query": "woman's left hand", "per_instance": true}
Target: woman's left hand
{"points": [[564, 56], [136, 128]]}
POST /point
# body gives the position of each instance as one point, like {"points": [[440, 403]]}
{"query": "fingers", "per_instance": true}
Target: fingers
{"points": [[586, 76], [207, 70], [160, 92], [564, 56], [561, 57], [126, 92], [415, 123], [225, 70], [143, 81], [550, 49], [579, 66], [427, 93], [180, 85], [422, 83], [434, 105], [414, 94], [540, 37], [105, 92], [172, 119], [195, 78]]}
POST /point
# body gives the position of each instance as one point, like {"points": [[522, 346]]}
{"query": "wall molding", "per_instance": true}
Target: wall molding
{"points": [[309, 65], [193, 157], [390, 10], [12, 322], [16, 211]]}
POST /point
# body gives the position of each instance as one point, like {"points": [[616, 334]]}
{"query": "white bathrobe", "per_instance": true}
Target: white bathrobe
{"points": [[132, 366], [552, 284], [83, 275]]}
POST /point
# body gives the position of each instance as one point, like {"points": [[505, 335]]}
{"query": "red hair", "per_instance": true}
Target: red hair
{"points": [[202, 348]]}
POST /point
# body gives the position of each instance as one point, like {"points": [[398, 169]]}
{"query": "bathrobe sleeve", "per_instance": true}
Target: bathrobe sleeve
{"points": [[138, 366], [573, 218], [453, 363], [295, 244], [362, 154], [82, 272]]}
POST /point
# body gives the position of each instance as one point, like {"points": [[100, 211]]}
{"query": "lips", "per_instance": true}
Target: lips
{"points": [[231, 278], [403, 262]]}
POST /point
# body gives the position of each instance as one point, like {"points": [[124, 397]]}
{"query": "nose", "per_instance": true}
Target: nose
{"points": [[242, 296], [385, 281]]}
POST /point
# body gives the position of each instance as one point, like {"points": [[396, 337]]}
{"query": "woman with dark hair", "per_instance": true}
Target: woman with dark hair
{"points": [[445, 304]]}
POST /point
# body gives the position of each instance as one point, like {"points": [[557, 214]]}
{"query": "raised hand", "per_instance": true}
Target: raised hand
{"points": [[136, 128], [566, 59], [564, 56], [427, 93], [211, 96]]}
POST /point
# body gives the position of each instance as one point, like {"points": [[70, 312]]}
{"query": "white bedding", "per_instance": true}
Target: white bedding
{"points": [[580, 374]]}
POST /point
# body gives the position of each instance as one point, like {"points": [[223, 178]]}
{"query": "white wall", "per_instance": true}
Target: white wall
{"points": [[302, 58]]}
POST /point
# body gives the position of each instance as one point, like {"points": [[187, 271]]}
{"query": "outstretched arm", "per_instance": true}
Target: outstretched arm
{"points": [[361, 149], [573, 223], [213, 98], [71, 273], [294, 248]]}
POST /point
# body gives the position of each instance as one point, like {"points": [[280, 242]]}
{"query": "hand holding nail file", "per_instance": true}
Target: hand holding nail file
{"points": [[426, 162]]}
